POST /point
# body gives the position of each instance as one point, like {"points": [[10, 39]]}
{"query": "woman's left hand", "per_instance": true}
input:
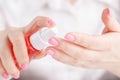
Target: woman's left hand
{"points": [[91, 51]]}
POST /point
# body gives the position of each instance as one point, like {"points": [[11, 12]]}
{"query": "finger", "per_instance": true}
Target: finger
{"points": [[40, 55], [66, 59], [19, 48], [60, 56], [110, 22], [3, 73], [105, 30], [8, 63], [38, 23], [88, 41], [72, 50]]}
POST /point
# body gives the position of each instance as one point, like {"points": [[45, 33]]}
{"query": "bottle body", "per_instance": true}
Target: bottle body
{"points": [[31, 50], [36, 41]]}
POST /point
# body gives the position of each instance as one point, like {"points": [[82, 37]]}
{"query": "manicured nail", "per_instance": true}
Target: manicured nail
{"points": [[50, 52], [16, 75], [108, 11], [24, 66], [5, 75], [54, 42], [51, 22], [70, 37]]}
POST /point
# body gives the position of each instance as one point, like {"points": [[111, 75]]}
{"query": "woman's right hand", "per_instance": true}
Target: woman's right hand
{"points": [[13, 51], [90, 51]]}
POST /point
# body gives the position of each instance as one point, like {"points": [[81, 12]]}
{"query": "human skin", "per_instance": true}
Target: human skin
{"points": [[90, 51], [15, 37], [72, 1]]}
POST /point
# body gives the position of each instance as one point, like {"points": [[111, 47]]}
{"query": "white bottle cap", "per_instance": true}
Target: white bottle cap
{"points": [[39, 40]]}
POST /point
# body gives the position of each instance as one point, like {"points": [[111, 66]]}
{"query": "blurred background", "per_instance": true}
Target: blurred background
{"points": [[70, 16]]}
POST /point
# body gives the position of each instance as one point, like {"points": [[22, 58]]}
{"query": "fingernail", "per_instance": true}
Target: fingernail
{"points": [[24, 66], [16, 75], [50, 52], [70, 37], [108, 11], [51, 22], [53, 41], [5, 75]]}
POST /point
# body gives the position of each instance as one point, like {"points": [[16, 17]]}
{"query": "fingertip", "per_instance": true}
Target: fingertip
{"points": [[51, 22], [109, 21], [53, 41], [50, 51], [16, 75], [69, 37], [5, 75], [106, 14], [38, 23], [107, 11], [25, 66]]}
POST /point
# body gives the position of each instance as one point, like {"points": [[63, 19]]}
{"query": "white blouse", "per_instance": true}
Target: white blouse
{"points": [[84, 16]]}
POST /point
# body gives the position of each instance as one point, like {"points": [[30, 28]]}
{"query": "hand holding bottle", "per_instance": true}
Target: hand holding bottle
{"points": [[14, 47]]}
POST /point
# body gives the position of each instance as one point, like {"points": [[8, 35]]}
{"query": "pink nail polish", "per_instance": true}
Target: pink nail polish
{"points": [[16, 75], [5, 75], [108, 11], [53, 41], [50, 52], [70, 37], [24, 66], [51, 22]]}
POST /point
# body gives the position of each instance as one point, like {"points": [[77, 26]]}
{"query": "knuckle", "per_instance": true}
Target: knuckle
{"points": [[64, 46], [80, 64], [12, 28], [79, 54], [93, 61], [17, 43], [41, 21], [57, 56], [81, 41], [12, 71], [40, 18], [14, 33], [16, 36]]}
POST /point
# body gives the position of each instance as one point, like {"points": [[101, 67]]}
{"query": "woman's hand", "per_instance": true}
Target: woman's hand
{"points": [[16, 59], [91, 51]]}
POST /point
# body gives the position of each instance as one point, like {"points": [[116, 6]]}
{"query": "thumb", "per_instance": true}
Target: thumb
{"points": [[111, 24], [38, 23]]}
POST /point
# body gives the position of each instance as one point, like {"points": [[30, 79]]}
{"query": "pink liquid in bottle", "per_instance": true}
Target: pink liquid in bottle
{"points": [[36, 40]]}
